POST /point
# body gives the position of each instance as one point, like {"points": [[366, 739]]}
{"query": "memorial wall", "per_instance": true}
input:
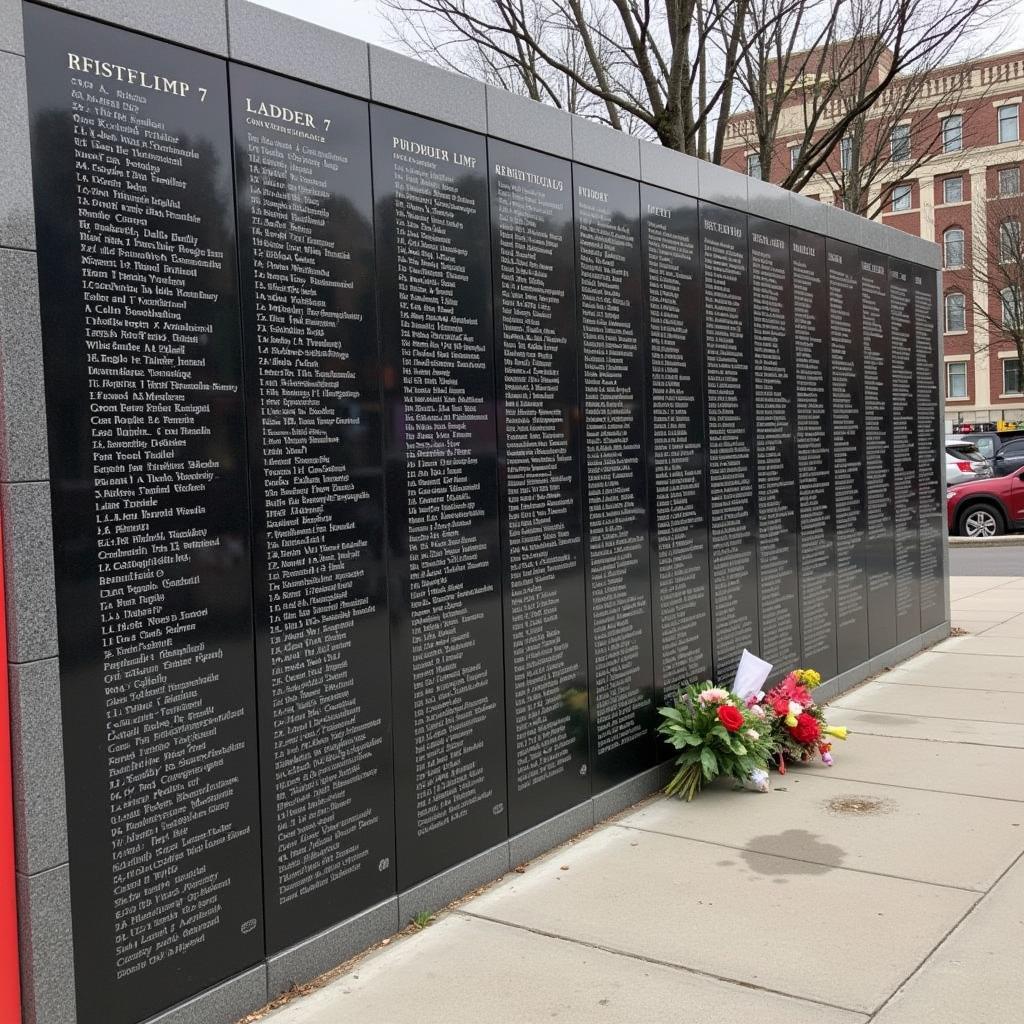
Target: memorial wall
{"points": [[399, 472]]}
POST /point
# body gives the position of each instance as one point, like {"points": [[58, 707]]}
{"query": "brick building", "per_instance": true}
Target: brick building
{"points": [[966, 194]]}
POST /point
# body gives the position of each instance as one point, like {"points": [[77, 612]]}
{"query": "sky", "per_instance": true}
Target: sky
{"points": [[358, 18], [361, 18]]}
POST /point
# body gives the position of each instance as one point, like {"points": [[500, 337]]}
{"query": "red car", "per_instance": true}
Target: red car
{"points": [[986, 508]]}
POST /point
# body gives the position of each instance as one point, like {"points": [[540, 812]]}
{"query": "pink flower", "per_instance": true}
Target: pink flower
{"points": [[789, 690], [715, 695], [757, 711]]}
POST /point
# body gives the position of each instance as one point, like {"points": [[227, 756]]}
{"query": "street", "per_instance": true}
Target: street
{"points": [[1002, 560]]}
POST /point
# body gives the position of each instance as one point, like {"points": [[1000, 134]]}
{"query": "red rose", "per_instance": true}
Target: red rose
{"points": [[730, 717], [806, 729]]}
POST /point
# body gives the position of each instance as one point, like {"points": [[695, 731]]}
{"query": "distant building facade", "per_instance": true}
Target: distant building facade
{"points": [[964, 196]]}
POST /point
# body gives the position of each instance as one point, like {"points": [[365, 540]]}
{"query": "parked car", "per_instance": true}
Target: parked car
{"points": [[965, 462], [989, 442], [986, 508], [1009, 457]]}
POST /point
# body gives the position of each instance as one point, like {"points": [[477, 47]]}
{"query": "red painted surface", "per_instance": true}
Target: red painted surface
{"points": [[10, 987]]}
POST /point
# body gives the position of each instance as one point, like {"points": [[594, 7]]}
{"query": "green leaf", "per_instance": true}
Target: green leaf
{"points": [[672, 713], [708, 763], [691, 756]]}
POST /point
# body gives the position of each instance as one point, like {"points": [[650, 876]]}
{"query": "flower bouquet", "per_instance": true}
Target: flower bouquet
{"points": [[796, 725], [715, 734]]}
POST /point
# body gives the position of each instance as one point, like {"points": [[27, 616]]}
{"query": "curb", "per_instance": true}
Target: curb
{"points": [[1012, 540]]}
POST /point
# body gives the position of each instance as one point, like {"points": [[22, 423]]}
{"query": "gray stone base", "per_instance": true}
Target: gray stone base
{"points": [[322, 952], [833, 687], [223, 1004], [439, 891], [627, 793], [549, 834]]}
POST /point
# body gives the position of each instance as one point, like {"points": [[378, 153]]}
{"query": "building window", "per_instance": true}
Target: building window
{"points": [[1011, 308], [955, 312], [901, 196], [952, 133], [846, 153], [953, 247], [794, 156], [1009, 241], [1009, 130], [956, 379], [1011, 377], [899, 142], [754, 165], [953, 190], [1009, 181]]}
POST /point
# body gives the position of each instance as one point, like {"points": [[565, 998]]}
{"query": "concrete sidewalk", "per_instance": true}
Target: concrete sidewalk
{"points": [[889, 888]]}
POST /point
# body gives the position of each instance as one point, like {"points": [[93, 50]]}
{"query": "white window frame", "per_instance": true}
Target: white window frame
{"points": [[1009, 301], [947, 242], [794, 155], [959, 179], [1012, 359], [902, 194], [999, 181], [948, 305], [953, 133], [753, 161], [904, 133], [1009, 241], [1013, 110], [960, 363], [846, 152]]}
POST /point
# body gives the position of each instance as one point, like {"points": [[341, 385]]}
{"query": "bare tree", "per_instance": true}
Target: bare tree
{"points": [[664, 71], [678, 70], [817, 73], [997, 266]]}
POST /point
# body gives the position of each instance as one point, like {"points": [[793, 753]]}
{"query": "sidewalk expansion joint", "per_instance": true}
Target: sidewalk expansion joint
{"points": [[937, 686], [928, 789], [862, 731], [956, 924], [655, 961], [980, 654], [936, 718], [804, 860]]}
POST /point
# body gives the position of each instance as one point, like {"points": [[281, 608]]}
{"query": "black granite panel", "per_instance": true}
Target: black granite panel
{"points": [[878, 452], [905, 454], [814, 452], [775, 425], [931, 500], [731, 457], [847, 375], [434, 298], [607, 211], [305, 231], [677, 453], [544, 584], [138, 285]]}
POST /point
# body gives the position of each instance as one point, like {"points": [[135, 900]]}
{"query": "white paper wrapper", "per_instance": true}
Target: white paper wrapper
{"points": [[751, 675], [758, 781]]}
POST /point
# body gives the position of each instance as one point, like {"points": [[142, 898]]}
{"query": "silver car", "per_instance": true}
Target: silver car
{"points": [[964, 462]]}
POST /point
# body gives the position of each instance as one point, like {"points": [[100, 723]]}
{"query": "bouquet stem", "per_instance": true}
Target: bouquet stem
{"points": [[686, 782]]}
